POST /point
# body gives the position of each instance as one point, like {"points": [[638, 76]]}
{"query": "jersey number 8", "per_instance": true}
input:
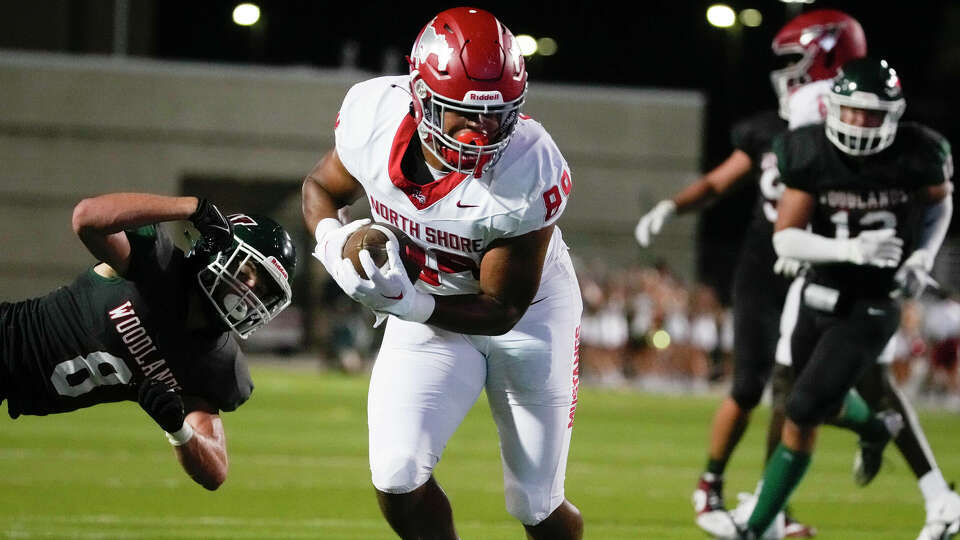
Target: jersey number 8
{"points": [[82, 374]]}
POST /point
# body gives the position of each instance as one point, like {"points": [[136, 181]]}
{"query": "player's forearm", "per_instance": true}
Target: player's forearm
{"points": [[114, 212], [936, 222], [477, 314], [317, 204], [204, 457], [804, 245], [714, 183], [326, 189], [695, 196]]}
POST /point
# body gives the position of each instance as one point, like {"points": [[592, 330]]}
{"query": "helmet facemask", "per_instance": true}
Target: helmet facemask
{"points": [[243, 309], [794, 75], [468, 152], [862, 140]]}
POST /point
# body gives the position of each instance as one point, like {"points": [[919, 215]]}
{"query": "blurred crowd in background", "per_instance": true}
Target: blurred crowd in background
{"points": [[645, 328]]}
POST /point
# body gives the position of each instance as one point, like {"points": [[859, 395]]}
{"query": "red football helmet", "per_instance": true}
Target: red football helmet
{"points": [[816, 43], [466, 61]]}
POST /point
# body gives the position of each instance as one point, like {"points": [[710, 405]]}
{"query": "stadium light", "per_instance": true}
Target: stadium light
{"points": [[661, 339], [528, 45], [751, 17], [721, 16], [246, 14], [547, 46]]}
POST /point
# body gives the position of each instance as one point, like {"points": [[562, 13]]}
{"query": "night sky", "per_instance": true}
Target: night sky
{"points": [[652, 44], [665, 44], [658, 44]]}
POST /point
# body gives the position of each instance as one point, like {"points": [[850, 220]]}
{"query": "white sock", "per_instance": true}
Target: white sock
{"points": [[932, 485], [710, 477]]}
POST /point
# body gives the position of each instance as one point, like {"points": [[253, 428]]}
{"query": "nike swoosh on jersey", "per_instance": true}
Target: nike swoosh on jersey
{"points": [[461, 205], [875, 311], [399, 297]]}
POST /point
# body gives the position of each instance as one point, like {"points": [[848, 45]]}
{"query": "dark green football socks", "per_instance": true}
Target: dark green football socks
{"points": [[858, 417], [783, 473], [716, 466]]}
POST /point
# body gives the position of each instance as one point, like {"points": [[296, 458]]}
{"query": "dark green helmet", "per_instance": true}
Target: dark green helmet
{"points": [[249, 283], [869, 85]]}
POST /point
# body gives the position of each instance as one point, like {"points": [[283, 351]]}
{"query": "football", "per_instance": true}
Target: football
{"points": [[374, 238]]}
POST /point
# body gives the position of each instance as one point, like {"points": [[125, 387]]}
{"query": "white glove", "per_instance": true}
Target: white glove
{"points": [[788, 267], [651, 222], [913, 276], [388, 289], [943, 517], [875, 248], [331, 235]]}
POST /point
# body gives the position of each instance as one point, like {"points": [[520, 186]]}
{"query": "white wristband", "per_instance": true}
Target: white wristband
{"points": [[182, 436], [326, 225], [422, 307]]}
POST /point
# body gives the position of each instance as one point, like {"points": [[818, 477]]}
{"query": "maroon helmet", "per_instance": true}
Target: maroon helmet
{"points": [[466, 61], [816, 43]]}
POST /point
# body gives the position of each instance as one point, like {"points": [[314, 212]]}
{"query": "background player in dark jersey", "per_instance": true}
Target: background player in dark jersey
{"points": [[817, 43], [152, 321], [860, 192]]}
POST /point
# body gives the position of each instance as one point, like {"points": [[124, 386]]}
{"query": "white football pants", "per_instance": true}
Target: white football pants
{"points": [[425, 380]]}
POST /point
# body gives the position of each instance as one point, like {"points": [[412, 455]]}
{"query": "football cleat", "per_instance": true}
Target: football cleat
{"points": [[711, 515], [741, 514], [869, 456], [795, 529], [943, 518]]}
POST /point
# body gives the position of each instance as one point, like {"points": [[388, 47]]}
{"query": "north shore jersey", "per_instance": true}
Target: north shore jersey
{"points": [[855, 194], [95, 340], [453, 219]]}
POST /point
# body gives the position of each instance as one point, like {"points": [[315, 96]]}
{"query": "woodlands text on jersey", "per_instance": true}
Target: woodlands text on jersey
{"points": [[97, 339], [864, 200]]}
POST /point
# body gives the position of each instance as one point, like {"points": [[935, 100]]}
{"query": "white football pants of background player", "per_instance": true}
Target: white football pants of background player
{"points": [[425, 380]]}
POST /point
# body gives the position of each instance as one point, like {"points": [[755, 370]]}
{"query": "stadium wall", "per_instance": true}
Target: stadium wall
{"points": [[75, 126]]}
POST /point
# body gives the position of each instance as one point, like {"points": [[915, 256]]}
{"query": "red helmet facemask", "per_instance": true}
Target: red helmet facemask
{"points": [[466, 62], [823, 40]]}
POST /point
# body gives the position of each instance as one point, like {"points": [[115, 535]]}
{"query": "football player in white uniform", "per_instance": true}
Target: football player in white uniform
{"points": [[445, 155]]}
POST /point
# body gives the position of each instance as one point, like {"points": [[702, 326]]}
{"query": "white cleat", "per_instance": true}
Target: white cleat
{"points": [[711, 515], [747, 502], [943, 518]]}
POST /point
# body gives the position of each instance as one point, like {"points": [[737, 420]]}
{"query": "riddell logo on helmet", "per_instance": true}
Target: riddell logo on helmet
{"points": [[276, 264], [483, 97]]}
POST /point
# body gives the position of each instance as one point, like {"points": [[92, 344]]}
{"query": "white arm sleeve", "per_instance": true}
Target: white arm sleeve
{"points": [[936, 221], [806, 246]]}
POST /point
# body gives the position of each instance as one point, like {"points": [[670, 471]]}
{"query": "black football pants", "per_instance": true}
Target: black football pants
{"points": [[830, 352]]}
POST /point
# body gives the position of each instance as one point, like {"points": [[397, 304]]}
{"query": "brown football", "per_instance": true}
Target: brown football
{"points": [[373, 238]]}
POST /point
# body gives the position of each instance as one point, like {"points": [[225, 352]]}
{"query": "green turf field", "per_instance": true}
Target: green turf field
{"points": [[299, 470]]}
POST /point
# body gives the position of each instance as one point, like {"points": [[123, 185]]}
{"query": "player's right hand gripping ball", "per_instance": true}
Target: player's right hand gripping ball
{"points": [[216, 231], [374, 238], [162, 404]]}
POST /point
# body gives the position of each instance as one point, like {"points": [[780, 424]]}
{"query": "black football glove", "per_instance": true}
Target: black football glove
{"points": [[216, 231], [162, 404]]}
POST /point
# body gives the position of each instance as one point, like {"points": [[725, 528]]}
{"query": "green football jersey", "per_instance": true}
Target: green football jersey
{"points": [[95, 340], [855, 194], [754, 136]]}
